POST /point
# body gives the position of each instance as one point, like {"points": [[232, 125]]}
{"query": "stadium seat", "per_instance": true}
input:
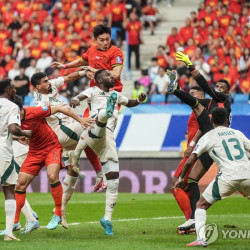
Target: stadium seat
{"points": [[156, 99], [241, 98], [173, 99]]}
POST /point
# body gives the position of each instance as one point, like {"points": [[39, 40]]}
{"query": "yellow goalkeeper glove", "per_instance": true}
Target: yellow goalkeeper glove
{"points": [[183, 58]]}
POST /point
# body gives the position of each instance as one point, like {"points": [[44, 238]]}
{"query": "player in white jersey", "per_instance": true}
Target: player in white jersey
{"points": [[227, 147], [67, 130], [100, 138], [9, 126]]}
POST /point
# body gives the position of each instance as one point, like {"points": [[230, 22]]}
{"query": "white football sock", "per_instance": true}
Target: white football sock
{"points": [[81, 145], [111, 197], [68, 189], [27, 212], [102, 116], [10, 211], [66, 157], [200, 222]]}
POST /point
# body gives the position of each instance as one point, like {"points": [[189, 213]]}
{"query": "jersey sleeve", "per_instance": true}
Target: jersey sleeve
{"points": [[85, 55], [201, 147], [39, 112], [14, 117], [123, 100], [117, 58], [245, 140], [57, 82], [88, 92]]}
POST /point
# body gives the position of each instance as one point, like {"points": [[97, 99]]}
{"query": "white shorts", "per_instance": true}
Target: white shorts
{"points": [[220, 189], [148, 18], [8, 173], [69, 134], [105, 147], [19, 160]]}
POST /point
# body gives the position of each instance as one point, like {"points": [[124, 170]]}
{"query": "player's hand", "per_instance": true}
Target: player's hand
{"points": [[57, 65], [74, 102], [183, 58], [90, 74], [87, 122], [27, 133], [188, 151], [177, 183], [89, 68], [142, 97], [23, 140]]}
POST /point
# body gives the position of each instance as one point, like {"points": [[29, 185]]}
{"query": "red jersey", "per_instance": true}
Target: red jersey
{"points": [[117, 12], [42, 135], [133, 32], [171, 42], [108, 59], [193, 127]]}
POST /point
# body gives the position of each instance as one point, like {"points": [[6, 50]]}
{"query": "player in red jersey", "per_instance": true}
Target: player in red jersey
{"points": [[44, 149], [181, 194], [101, 55]]}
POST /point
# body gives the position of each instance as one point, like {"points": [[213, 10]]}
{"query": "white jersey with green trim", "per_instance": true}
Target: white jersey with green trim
{"points": [[97, 99], [9, 114], [227, 147], [53, 99]]}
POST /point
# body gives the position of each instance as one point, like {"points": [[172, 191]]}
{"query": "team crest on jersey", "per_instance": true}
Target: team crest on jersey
{"points": [[118, 59], [45, 108]]}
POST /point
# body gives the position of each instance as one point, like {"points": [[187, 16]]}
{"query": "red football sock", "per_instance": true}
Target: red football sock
{"points": [[182, 199], [93, 159], [57, 192], [20, 197]]}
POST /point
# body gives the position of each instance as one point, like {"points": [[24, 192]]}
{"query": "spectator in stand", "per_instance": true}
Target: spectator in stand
{"points": [[225, 18], [137, 90], [44, 62], [135, 37], [21, 83], [6, 49], [244, 62], [29, 71], [162, 56], [244, 82], [186, 32], [25, 62], [171, 40], [117, 17], [209, 15], [203, 68], [149, 15], [190, 48], [194, 19], [153, 69], [8, 63], [15, 71], [160, 83], [144, 80]]}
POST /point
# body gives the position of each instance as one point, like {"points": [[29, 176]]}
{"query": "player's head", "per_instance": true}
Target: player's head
{"points": [[223, 86], [197, 92], [102, 36], [18, 101], [104, 78], [41, 82], [7, 89], [219, 117]]}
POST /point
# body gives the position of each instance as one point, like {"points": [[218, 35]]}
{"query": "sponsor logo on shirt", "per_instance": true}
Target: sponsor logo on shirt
{"points": [[118, 59], [45, 108]]}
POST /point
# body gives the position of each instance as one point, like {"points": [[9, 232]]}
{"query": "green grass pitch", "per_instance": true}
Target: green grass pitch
{"points": [[141, 221]]}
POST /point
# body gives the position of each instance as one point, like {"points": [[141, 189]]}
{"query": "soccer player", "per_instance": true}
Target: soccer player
{"points": [[44, 149], [101, 55], [181, 194], [67, 130], [104, 102], [9, 126], [227, 147], [219, 96]]}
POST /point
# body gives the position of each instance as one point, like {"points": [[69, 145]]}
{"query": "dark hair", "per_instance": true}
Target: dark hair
{"points": [[18, 101], [226, 82], [98, 74], [154, 59], [101, 29], [4, 84], [219, 116], [36, 78], [198, 88]]}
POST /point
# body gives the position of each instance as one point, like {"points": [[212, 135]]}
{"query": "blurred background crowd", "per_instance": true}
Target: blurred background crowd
{"points": [[33, 33]]}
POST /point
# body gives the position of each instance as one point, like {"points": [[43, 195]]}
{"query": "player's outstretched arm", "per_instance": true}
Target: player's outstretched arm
{"points": [[17, 131], [85, 122], [191, 145], [132, 103], [74, 76], [75, 101], [74, 64]]}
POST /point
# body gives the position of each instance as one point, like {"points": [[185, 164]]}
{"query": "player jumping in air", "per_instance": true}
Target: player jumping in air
{"points": [[44, 150], [227, 147], [100, 138]]}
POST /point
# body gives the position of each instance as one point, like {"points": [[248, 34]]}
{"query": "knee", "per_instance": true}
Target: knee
{"points": [[53, 177], [112, 175], [203, 204]]}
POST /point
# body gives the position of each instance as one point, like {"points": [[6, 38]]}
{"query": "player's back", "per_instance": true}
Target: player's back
{"points": [[9, 113], [228, 149], [42, 135]]}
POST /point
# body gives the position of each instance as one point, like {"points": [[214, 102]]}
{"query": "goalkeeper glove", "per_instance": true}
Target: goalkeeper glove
{"points": [[183, 58]]}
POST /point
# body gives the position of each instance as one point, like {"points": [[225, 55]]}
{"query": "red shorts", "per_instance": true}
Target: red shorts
{"points": [[37, 160], [179, 169]]}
